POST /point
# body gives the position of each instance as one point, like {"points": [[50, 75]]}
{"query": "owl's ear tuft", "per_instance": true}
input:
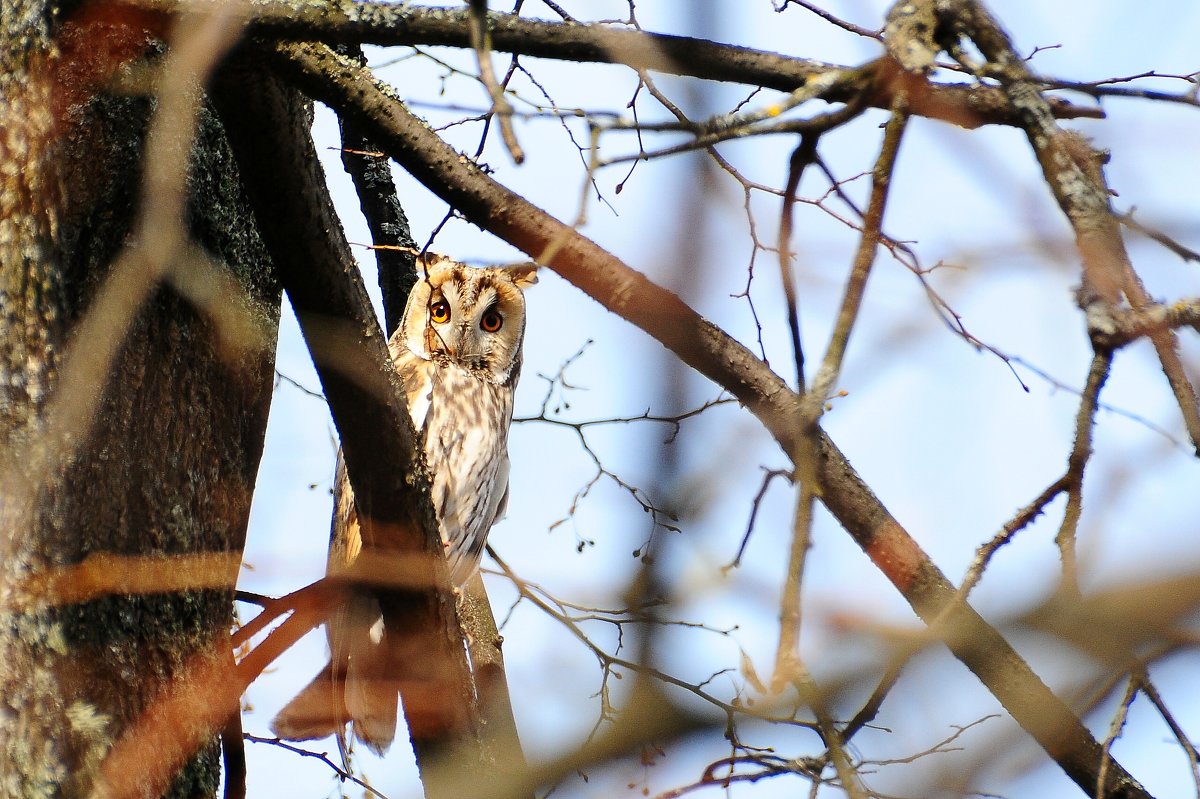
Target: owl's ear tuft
{"points": [[523, 274], [427, 261]]}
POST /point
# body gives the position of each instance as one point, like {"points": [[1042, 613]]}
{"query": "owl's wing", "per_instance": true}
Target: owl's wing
{"points": [[416, 376], [471, 519], [499, 505]]}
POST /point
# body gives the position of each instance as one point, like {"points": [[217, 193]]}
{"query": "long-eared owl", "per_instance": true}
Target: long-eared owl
{"points": [[458, 354]]}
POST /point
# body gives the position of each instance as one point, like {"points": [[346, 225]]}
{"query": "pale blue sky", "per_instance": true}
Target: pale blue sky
{"points": [[945, 435]]}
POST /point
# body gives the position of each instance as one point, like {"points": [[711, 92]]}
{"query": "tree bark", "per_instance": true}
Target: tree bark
{"points": [[122, 529]]}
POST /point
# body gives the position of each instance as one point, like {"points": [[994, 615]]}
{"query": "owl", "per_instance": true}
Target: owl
{"points": [[458, 354]]}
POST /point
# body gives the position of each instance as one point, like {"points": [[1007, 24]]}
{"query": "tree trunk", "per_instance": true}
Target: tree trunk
{"points": [[122, 528]]}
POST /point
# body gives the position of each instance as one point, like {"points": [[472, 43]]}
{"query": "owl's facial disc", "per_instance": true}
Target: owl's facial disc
{"points": [[471, 318], [442, 339]]}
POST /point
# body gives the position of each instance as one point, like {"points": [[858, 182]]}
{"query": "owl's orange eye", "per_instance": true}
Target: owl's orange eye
{"points": [[439, 312], [491, 321]]}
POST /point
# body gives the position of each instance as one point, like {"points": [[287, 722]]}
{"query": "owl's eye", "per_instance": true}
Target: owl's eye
{"points": [[491, 321], [439, 312]]}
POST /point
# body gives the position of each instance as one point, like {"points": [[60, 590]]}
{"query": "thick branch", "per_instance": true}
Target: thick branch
{"points": [[390, 24], [501, 740], [268, 129], [395, 251], [352, 91]]}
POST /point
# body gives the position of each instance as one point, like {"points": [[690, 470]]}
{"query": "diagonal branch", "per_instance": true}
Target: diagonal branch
{"points": [[352, 90]]}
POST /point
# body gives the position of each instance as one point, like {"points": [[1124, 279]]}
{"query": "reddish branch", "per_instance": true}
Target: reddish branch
{"points": [[353, 91]]}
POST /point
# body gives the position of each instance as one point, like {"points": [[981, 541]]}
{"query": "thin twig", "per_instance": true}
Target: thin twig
{"points": [[870, 708], [1103, 88], [481, 43], [716, 132], [280, 376], [1114, 731], [1185, 743], [877, 35], [983, 555], [881, 179], [343, 775], [1186, 253], [804, 155], [1081, 451], [769, 475], [1104, 406]]}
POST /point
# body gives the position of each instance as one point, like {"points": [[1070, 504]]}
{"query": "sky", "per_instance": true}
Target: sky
{"points": [[946, 435]]}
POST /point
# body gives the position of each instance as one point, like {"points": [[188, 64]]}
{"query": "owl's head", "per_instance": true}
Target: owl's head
{"points": [[471, 317]]}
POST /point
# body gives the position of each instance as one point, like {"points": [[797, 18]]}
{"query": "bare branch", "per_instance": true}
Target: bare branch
{"points": [[1185, 743], [392, 24], [1081, 452], [342, 774], [983, 555], [1073, 172], [877, 35], [1186, 253], [701, 345]]}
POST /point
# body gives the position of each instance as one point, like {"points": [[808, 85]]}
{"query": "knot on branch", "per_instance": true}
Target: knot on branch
{"points": [[1112, 328], [911, 35]]}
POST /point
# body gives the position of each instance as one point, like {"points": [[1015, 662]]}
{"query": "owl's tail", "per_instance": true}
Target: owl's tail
{"points": [[355, 687]]}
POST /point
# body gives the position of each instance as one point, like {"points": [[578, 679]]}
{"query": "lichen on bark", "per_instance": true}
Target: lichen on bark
{"points": [[165, 466]]}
